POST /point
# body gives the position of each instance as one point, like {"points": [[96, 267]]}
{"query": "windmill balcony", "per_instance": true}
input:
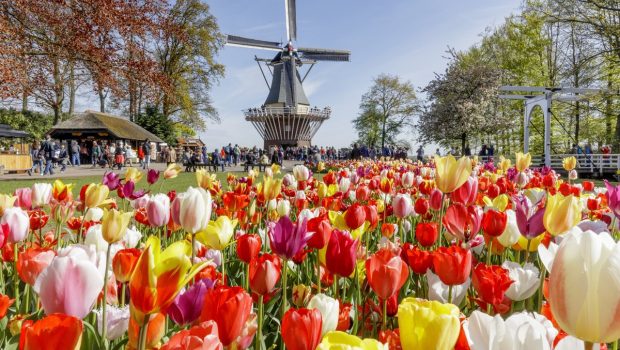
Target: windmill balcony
{"points": [[315, 112]]}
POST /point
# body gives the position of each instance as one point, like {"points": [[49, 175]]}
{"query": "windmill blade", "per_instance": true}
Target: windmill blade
{"points": [[234, 40], [324, 54], [291, 19]]}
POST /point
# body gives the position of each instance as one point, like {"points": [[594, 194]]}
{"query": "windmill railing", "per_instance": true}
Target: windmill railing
{"points": [[321, 113], [586, 163]]}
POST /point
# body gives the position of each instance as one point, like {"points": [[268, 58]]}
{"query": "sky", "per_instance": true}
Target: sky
{"points": [[408, 38]]}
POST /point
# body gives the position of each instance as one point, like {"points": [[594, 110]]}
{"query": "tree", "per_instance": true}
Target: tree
{"points": [[462, 102], [157, 123], [386, 110]]}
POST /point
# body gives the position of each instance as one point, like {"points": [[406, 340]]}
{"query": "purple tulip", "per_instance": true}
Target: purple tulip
{"points": [[613, 198], [129, 192], [152, 176], [187, 306], [529, 219], [112, 180], [287, 238]]}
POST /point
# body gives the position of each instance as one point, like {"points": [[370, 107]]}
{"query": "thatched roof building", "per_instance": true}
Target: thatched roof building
{"points": [[97, 125]]}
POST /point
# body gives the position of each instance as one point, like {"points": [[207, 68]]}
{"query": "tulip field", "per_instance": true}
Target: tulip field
{"points": [[449, 254]]}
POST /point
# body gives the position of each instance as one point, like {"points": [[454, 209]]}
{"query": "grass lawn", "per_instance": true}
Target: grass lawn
{"points": [[180, 183]]}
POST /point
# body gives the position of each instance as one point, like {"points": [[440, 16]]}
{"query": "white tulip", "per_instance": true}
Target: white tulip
{"points": [[132, 237], [511, 233], [301, 172], [329, 309], [439, 291], [284, 207], [41, 194], [93, 214], [117, 320], [526, 280], [344, 184]]}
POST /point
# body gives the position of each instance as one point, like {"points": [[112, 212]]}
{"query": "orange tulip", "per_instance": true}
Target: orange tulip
{"points": [[54, 332], [386, 273], [32, 261], [202, 336], [5, 303], [154, 332], [62, 192], [124, 262]]}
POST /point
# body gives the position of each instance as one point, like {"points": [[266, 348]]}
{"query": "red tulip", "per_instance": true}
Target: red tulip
{"points": [[5, 303], [38, 219], [386, 273], [248, 247], [265, 272], [322, 230], [124, 262], [372, 216], [56, 331], [362, 193], [418, 260], [467, 193], [436, 199], [230, 308], [461, 221], [32, 261], [426, 233], [421, 206], [494, 222], [301, 329], [341, 253], [355, 216], [452, 264], [491, 282]]}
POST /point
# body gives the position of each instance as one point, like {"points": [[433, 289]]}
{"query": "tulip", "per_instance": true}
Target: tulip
{"points": [[467, 193], [124, 262], [114, 225], [340, 256], [301, 329], [53, 332], [205, 180], [439, 291], [529, 219], [452, 264], [344, 184], [569, 163], [613, 198], [362, 193], [511, 234], [301, 173], [523, 161], [159, 276], [203, 336], [69, 285], [427, 324], [321, 230], [491, 282], [248, 247], [24, 199], [194, 209], [386, 273], [271, 188], [526, 280], [133, 174], [451, 174], [283, 207], [519, 331], [61, 192], [154, 330], [461, 221], [230, 308], [95, 195], [152, 176], [18, 224], [426, 233], [287, 238], [117, 321], [342, 340], [562, 213], [494, 222], [583, 292], [418, 260], [407, 179], [186, 307], [436, 199], [402, 206], [329, 309], [158, 210], [218, 233], [5, 303], [172, 171], [421, 206], [111, 179], [6, 201], [41, 194], [355, 216], [32, 262], [264, 273]]}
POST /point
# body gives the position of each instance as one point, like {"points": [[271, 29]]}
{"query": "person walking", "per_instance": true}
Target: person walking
{"points": [[63, 158], [48, 153], [36, 155], [95, 154], [146, 150], [75, 153]]}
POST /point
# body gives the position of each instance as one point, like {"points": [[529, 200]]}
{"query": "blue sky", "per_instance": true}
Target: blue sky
{"points": [[403, 37]]}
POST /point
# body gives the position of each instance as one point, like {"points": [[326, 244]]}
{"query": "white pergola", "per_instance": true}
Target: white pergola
{"points": [[543, 97]]}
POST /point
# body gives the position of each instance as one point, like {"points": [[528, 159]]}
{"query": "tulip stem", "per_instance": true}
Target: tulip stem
{"points": [[284, 301], [318, 271], [81, 224], [489, 249], [614, 346], [247, 277], [27, 300], [384, 324], [123, 286], [259, 329], [223, 255], [527, 251], [16, 277], [193, 243], [105, 296], [143, 331], [450, 294]]}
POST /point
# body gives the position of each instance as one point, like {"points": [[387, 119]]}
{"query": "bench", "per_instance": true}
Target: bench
{"points": [[192, 167], [247, 166]]}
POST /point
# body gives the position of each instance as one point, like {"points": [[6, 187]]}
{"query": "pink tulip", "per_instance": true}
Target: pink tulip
{"points": [[18, 222], [140, 202], [158, 210], [407, 179], [467, 193], [192, 209], [402, 205], [41, 194], [24, 198], [69, 285], [435, 200]]}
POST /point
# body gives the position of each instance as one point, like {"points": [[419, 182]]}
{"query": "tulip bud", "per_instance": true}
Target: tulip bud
{"points": [[321, 190], [301, 295], [18, 222], [41, 194], [301, 172], [7, 201], [284, 207], [344, 184], [114, 225], [402, 205], [329, 309], [572, 174], [248, 247], [436, 199], [95, 195], [124, 262], [158, 210], [407, 179]]}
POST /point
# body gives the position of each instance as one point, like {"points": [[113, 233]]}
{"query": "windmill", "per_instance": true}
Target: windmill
{"points": [[286, 118]]}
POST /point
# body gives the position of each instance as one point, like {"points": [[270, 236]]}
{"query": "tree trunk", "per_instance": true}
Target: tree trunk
{"points": [[577, 119], [463, 142], [385, 118], [72, 89], [102, 97], [24, 101], [616, 147], [608, 111], [58, 92], [57, 113]]}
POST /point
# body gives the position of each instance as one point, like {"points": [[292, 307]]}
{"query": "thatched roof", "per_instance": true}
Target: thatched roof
{"points": [[91, 122], [8, 132]]}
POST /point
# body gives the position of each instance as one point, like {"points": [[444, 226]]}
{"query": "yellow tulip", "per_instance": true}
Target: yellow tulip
{"points": [[159, 276], [534, 243], [320, 167], [114, 224], [336, 218], [218, 233], [271, 188], [380, 206], [428, 324], [62, 192], [569, 163], [500, 202], [172, 171], [204, 179], [562, 213], [95, 195], [275, 168], [450, 174], [504, 163], [523, 161], [321, 190], [341, 340], [6, 201], [133, 174]]}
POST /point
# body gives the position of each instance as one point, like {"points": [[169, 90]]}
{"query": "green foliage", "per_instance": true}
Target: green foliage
{"points": [[34, 123], [157, 123]]}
